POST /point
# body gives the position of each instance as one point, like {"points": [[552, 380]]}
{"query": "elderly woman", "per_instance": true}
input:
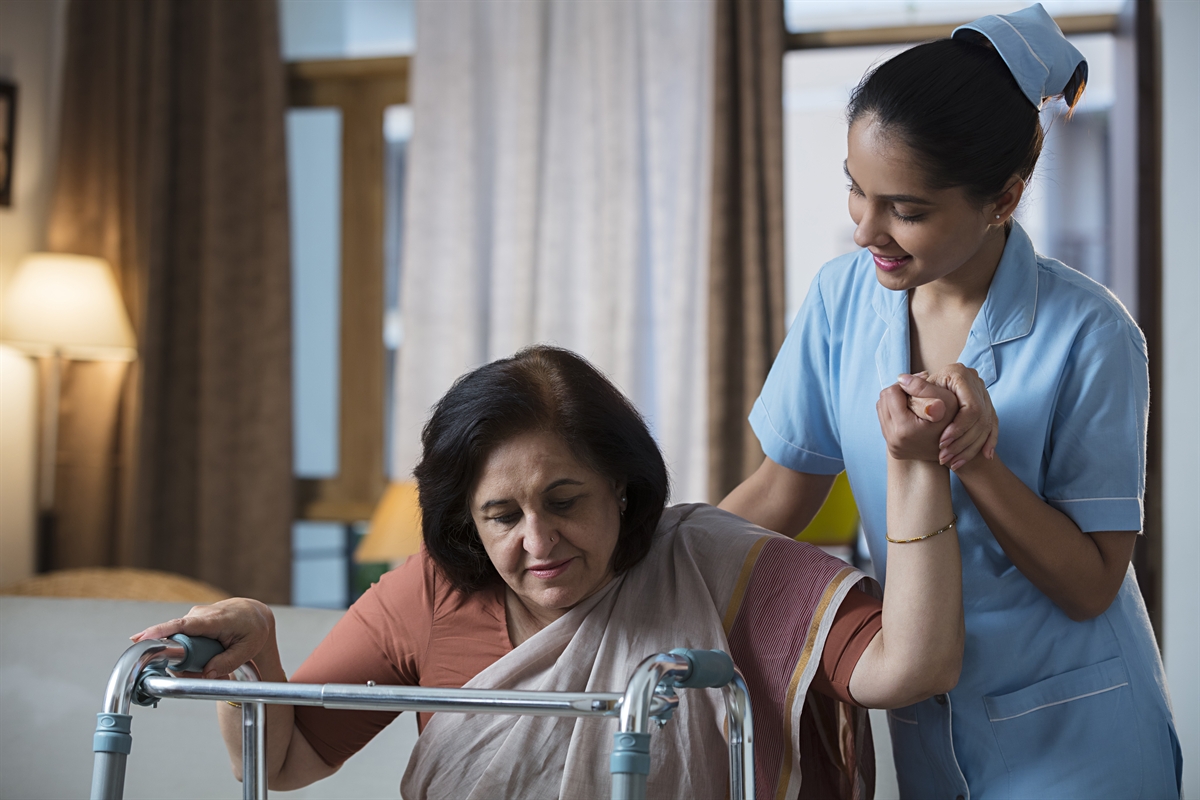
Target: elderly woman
{"points": [[551, 564]]}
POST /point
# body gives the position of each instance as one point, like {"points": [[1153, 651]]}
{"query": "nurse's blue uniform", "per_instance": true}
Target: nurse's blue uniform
{"points": [[1045, 707]]}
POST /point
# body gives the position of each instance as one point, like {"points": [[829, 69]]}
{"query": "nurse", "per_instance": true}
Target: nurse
{"points": [[1062, 692]]}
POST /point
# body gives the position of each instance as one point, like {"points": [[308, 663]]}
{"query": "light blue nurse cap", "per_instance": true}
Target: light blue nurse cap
{"points": [[1044, 63]]}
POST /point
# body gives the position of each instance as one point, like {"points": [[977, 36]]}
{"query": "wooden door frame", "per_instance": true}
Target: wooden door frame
{"points": [[361, 89]]}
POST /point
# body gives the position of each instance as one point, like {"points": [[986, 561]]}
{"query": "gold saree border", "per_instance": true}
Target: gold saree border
{"points": [[743, 581]]}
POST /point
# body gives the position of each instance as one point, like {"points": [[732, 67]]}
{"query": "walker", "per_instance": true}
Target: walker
{"points": [[140, 677]]}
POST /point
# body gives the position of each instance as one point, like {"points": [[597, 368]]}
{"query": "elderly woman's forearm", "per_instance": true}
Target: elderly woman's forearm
{"points": [[918, 653], [291, 761], [279, 719]]}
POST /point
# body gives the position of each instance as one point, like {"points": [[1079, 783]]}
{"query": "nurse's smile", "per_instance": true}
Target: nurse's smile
{"points": [[890, 264]]}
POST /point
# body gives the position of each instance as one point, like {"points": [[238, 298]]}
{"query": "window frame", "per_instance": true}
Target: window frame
{"points": [[361, 89]]}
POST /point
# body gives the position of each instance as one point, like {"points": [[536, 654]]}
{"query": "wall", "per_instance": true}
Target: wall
{"points": [[31, 47], [1181, 374], [49, 698]]}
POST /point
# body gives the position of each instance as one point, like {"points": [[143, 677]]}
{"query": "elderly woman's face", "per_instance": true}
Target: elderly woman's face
{"points": [[548, 522]]}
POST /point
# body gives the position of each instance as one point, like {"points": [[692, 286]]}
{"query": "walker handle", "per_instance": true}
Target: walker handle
{"points": [[198, 651], [710, 669]]}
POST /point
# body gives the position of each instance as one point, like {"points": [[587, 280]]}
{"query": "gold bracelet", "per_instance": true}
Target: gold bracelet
{"points": [[235, 705], [926, 536]]}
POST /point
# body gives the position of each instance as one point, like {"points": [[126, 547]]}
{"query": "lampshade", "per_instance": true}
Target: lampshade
{"points": [[69, 304], [395, 529]]}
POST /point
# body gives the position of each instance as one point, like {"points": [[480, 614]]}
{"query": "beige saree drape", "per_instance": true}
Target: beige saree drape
{"points": [[711, 580]]}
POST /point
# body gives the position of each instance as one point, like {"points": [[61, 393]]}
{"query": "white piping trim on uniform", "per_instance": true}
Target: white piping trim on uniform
{"points": [[1091, 499], [1059, 702], [953, 755], [1032, 52], [784, 440]]}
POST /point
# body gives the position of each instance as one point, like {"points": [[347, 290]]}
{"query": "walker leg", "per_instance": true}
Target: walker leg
{"points": [[108, 776], [628, 786], [741, 738], [254, 751]]}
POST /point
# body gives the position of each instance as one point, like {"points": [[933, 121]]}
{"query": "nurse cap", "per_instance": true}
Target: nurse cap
{"points": [[1044, 63]]}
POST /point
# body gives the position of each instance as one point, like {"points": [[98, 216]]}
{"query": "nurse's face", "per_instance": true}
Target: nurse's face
{"points": [[917, 235]]}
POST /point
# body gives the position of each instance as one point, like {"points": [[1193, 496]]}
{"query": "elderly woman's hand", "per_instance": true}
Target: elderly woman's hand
{"points": [[244, 628], [976, 428], [913, 415]]}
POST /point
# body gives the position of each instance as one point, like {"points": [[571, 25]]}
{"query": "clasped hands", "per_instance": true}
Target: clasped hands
{"points": [[945, 417]]}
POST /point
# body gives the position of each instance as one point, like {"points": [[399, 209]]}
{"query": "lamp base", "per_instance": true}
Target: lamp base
{"points": [[45, 541]]}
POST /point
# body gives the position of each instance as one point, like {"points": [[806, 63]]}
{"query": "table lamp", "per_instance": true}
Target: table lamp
{"points": [[62, 306], [394, 532]]}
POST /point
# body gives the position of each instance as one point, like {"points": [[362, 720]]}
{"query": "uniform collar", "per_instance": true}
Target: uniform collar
{"points": [[1007, 313]]}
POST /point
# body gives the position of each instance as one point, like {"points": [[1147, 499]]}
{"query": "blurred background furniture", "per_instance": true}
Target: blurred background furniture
{"points": [[116, 583], [56, 655]]}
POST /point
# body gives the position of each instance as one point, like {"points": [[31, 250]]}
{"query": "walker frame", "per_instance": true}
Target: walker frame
{"points": [[140, 677]]}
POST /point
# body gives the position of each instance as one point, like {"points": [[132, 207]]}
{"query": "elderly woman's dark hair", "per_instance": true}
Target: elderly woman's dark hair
{"points": [[541, 388]]}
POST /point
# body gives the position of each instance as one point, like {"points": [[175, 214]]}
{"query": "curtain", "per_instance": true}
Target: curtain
{"points": [[172, 166], [558, 191], [746, 277]]}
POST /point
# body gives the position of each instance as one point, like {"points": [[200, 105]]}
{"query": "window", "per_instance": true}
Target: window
{"points": [[347, 128]]}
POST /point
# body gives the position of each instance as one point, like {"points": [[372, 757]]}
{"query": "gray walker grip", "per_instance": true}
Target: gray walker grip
{"points": [[711, 669], [199, 651]]}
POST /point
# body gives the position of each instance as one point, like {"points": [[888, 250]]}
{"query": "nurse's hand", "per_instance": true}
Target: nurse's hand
{"points": [[911, 429], [976, 428]]}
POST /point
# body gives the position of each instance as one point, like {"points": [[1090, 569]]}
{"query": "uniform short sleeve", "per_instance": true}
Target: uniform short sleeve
{"points": [[382, 639], [794, 417], [1096, 468]]}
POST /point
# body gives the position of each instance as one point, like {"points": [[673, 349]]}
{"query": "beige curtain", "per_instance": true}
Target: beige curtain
{"points": [[172, 166], [746, 290]]}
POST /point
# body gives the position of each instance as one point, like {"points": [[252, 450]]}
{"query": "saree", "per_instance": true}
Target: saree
{"points": [[711, 580]]}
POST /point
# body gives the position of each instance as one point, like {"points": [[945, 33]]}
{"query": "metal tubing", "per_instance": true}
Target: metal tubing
{"points": [[741, 738], [635, 707], [401, 698], [254, 741], [629, 783], [639, 692], [108, 776], [108, 768], [124, 677], [628, 786]]}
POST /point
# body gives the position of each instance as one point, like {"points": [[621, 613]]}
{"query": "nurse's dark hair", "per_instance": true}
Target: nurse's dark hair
{"points": [[957, 107], [540, 388]]}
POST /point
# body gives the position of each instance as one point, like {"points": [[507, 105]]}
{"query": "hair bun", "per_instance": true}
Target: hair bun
{"points": [[1073, 91], [1037, 54]]}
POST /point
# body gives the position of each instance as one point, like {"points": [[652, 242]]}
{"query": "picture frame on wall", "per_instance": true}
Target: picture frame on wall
{"points": [[8, 133]]}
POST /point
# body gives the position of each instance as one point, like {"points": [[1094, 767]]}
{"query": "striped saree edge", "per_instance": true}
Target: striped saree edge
{"points": [[743, 581], [822, 618]]}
